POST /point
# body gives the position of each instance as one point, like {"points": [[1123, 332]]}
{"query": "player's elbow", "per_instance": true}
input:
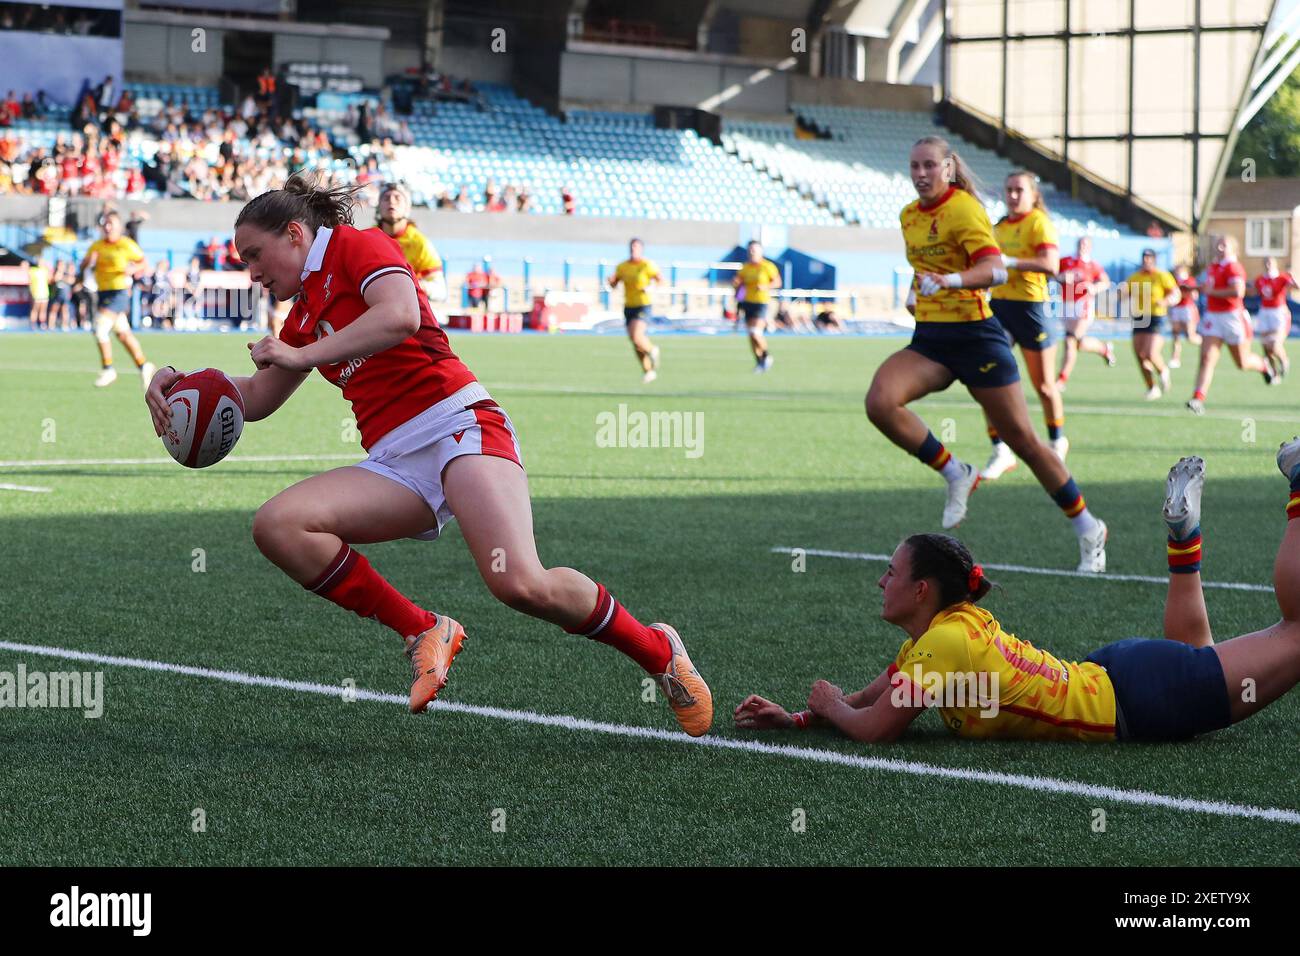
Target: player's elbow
{"points": [[406, 319]]}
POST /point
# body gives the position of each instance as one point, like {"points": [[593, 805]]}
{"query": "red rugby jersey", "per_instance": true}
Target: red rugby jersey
{"points": [[1084, 273], [1272, 290], [390, 387], [1188, 287], [1219, 275]]}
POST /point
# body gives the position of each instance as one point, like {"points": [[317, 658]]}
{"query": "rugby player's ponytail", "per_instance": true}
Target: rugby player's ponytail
{"points": [[962, 175], [302, 200], [946, 561]]}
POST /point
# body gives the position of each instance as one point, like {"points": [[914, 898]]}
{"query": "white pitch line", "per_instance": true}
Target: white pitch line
{"points": [[71, 462], [5, 486], [1051, 785], [1025, 569]]}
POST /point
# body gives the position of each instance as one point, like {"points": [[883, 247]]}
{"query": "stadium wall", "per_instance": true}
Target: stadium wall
{"points": [[58, 64], [477, 64], [160, 45], [591, 72]]}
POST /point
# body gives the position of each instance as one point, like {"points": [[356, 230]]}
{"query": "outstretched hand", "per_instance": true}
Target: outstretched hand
{"points": [[758, 713]]}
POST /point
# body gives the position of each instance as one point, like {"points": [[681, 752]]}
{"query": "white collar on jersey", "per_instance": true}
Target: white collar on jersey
{"points": [[316, 254]]}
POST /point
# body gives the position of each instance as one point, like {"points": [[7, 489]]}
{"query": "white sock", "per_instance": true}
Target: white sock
{"points": [[953, 470], [1084, 523]]}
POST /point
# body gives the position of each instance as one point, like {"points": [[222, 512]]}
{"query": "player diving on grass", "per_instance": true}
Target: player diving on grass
{"points": [[438, 447], [950, 246], [637, 273], [988, 683]]}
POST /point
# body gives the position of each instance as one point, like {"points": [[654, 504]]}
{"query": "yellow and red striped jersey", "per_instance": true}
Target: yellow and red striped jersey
{"points": [[1025, 237], [1037, 696], [944, 237]]}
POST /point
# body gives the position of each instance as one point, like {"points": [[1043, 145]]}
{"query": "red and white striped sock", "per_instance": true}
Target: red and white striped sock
{"points": [[610, 623], [351, 583]]}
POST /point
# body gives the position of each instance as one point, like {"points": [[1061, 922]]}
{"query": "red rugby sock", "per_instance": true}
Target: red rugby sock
{"points": [[610, 623], [350, 582]]}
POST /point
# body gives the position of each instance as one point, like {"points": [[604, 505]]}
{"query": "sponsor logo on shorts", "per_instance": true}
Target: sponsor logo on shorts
{"points": [[988, 368]]}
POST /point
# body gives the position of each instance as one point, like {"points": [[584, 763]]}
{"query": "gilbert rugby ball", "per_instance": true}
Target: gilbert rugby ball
{"points": [[207, 417]]}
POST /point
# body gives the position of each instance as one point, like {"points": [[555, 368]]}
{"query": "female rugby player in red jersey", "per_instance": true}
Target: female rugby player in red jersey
{"points": [[1184, 316], [438, 447], [1171, 688], [1081, 278], [951, 248], [1225, 321], [1273, 320]]}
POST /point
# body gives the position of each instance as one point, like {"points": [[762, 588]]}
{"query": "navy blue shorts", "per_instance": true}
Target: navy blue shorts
{"points": [[753, 311], [116, 301], [1148, 324], [1025, 322], [636, 313], [1165, 690], [976, 353]]}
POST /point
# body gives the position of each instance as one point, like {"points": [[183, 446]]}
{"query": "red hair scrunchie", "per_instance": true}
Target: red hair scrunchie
{"points": [[976, 576]]}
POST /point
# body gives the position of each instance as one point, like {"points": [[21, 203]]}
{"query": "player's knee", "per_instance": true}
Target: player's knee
{"points": [[1047, 388], [880, 405], [275, 526], [1022, 440], [527, 593]]}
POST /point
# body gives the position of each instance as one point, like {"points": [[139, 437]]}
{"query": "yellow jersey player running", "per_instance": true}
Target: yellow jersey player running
{"points": [[757, 278], [988, 683], [951, 248], [1030, 253], [1151, 292], [637, 273], [394, 211], [117, 260]]}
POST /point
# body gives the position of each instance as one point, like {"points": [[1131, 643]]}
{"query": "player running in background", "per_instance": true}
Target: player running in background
{"points": [[1081, 278], [1150, 292], [1273, 320], [1184, 316], [393, 212], [38, 285], [1167, 689], [756, 279], [116, 261], [636, 273], [950, 247], [1225, 321], [1030, 254], [438, 447]]}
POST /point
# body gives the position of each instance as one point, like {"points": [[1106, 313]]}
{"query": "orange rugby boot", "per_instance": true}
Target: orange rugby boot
{"points": [[431, 654], [688, 695]]}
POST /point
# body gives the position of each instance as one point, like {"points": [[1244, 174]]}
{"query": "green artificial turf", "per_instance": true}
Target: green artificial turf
{"points": [[104, 562]]}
